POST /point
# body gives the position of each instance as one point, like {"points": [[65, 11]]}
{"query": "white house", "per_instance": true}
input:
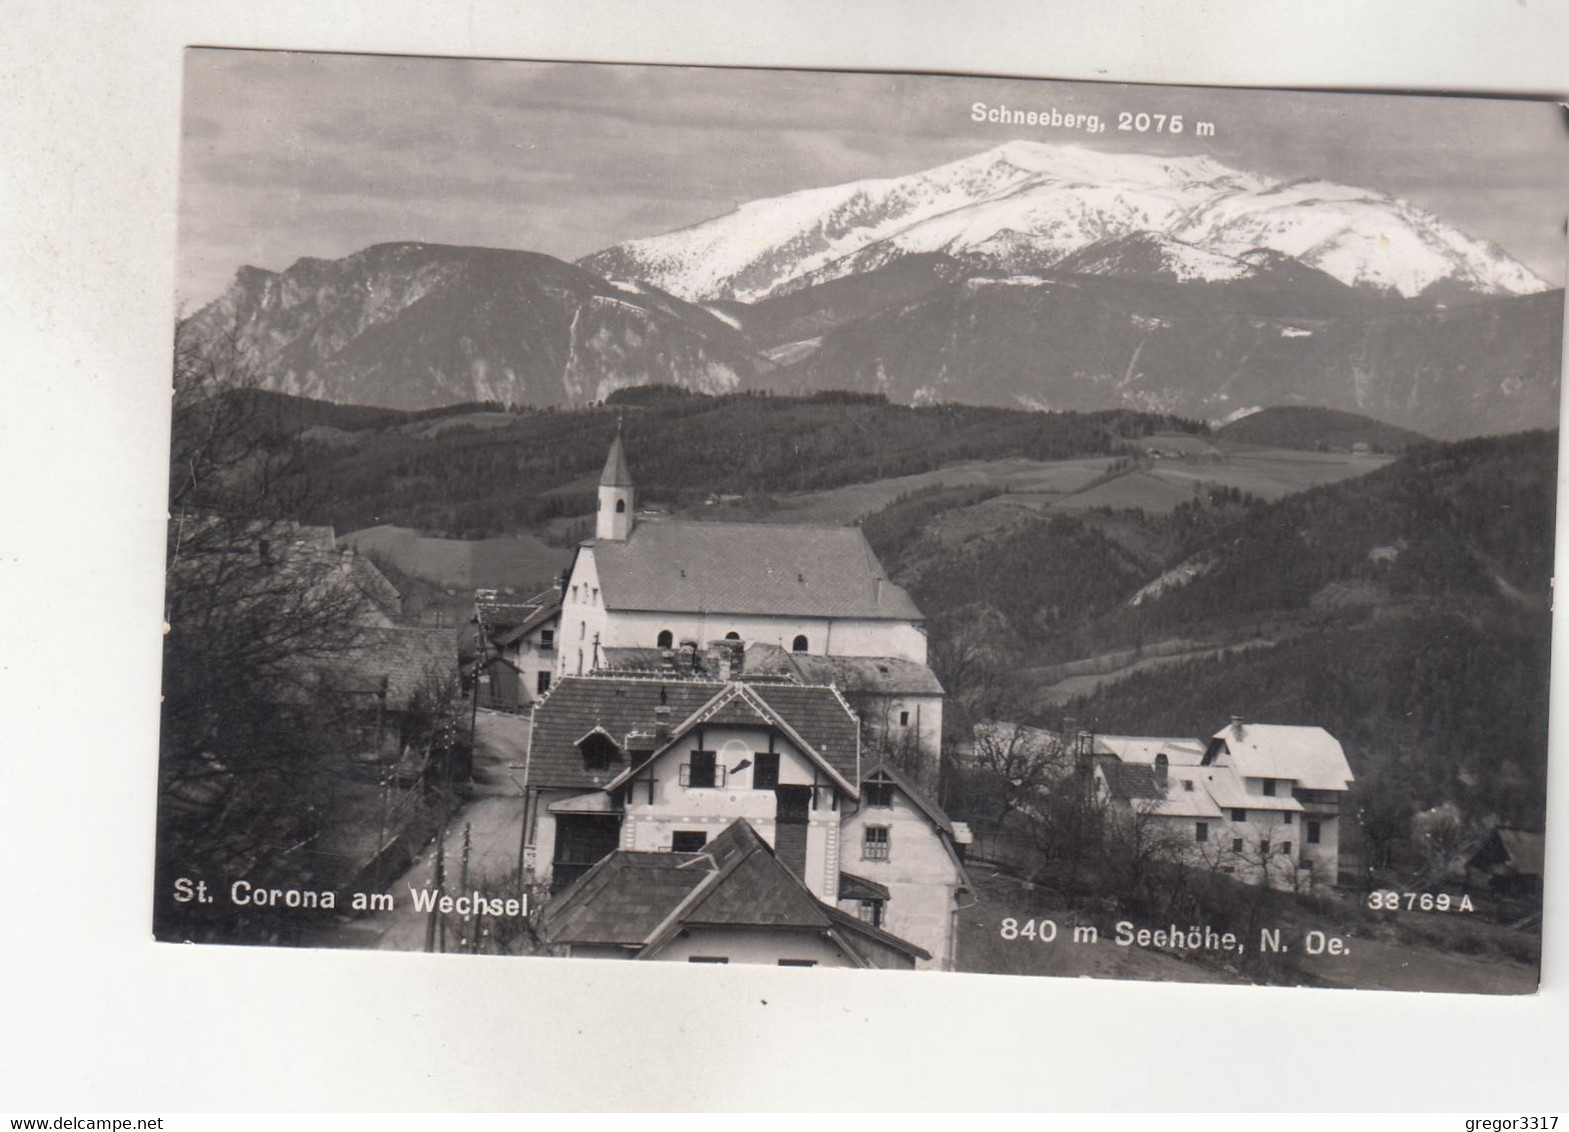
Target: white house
{"points": [[900, 865], [1260, 802], [623, 764]]}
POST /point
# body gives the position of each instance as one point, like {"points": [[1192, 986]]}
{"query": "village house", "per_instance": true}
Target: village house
{"points": [[1260, 802], [664, 764], [508, 650], [731, 901]]}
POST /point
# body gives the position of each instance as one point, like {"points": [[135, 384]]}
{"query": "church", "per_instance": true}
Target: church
{"points": [[810, 600]]}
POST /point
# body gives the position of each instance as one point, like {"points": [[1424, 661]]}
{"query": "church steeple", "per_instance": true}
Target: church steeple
{"points": [[617, 497]]}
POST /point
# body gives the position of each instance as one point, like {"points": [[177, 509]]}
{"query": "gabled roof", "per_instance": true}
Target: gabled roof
{"points": [[642, 901], [933, 812], [816, 720], [886, 770], [577, 704], [541, 615], [622, 899], [1309, 755], [748, 568]]}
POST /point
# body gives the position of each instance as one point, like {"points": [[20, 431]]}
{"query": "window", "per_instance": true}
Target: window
{"points": [[1187, 784], [702, 771], [1263, 847], [874, 843], [765, 770], [574, 593], [1236, 844], [1269, 788], [580, 662], [687, 840], [799, 644], [1239, 815], [708, 959], [871, 912], [1287, 818], [732, 635], [666, 639], [542, 684], [1285, 848], [595, 599], [904, 719], [582, 629], [797, 962], [1313, 832], [547, 640], [1201, 831], [879, 795], [621, 507]]}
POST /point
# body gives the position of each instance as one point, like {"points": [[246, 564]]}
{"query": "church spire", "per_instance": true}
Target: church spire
{"points": [[616, 473], [617, 497]]}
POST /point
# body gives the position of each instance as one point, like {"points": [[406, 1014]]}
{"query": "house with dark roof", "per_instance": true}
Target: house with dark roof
{"points": [[509, 648], [656, 583], [734, 900], [666, 764], [1512, 860]]}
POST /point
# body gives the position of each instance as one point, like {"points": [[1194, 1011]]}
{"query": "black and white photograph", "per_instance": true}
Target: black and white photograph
{"points": [[831, 519]]}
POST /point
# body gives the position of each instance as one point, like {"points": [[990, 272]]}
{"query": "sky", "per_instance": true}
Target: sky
{"points": [[285, 155]]}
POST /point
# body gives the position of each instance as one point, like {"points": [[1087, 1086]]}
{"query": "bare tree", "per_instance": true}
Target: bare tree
{"points": [[251, 754]]}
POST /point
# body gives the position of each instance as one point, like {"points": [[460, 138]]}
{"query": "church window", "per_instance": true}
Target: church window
{"points": [[666, 639], [799, 644]]}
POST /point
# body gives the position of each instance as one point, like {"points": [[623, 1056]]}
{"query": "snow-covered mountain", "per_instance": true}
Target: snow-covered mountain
{"points": [[1027, 205]]}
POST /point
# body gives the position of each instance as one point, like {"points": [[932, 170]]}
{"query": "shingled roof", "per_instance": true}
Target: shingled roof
{"points": [[882, 675], [1130, 782], [642, 901], [621, 704], [748, 568], [577, 704]]}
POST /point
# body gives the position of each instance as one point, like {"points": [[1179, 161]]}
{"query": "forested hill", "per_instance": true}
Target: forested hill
{"points": [[1407, 611], [481, 471], [1317, 429]]}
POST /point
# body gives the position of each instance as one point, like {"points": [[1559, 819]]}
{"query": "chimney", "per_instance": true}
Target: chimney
{"points": [[662, 722], [1236, 725]]}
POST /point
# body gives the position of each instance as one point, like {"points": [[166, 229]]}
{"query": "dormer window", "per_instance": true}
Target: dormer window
{"points": [[599, 750]]}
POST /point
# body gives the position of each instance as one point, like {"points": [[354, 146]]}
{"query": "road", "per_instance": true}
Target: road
{"points": [[493, 817]]}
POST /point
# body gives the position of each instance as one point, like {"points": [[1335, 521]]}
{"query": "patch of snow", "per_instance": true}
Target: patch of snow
{"points": [[1295, 332]]}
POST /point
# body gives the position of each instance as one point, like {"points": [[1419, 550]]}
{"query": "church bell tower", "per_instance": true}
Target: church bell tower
{"points": [[617, 498]]}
